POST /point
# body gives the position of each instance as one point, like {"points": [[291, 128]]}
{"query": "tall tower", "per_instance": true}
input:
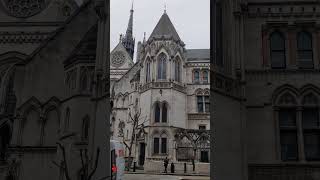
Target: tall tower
{"points": [[128, 40]]}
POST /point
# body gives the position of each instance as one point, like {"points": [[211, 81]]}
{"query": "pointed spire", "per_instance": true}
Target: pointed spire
{"points": [[164, 28], [144, 37], [165, 8], [128, 40]]}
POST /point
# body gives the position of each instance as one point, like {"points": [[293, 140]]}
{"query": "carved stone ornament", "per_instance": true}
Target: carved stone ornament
{"points": [[24, 8], [118, 59]]}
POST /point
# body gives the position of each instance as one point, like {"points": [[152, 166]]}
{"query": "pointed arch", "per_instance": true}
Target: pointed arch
{"points": [[162, 59], [177, 69], [284, 89]]}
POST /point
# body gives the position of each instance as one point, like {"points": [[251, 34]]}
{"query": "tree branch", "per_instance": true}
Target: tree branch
{"points": [[95, 165]]}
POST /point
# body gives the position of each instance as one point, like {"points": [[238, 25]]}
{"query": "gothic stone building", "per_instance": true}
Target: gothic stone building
{"points": [[52, 88], [266, 90], [168, 86]]}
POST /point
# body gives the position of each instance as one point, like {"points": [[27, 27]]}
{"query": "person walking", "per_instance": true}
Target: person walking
{"points": [[165, 163], [193, 165]]}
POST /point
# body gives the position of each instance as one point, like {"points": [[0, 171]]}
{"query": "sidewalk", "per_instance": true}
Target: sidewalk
{"points": [[161, 173]]}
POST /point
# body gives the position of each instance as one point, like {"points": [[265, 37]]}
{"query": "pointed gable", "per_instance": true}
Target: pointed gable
{"points": [[164, 28], [128, 61]]}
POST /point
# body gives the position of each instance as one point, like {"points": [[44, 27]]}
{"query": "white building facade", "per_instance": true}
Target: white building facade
{"points": [[169, 84]]}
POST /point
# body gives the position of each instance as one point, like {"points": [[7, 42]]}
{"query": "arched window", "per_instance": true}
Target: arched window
{"points": [[299, 125], [203, 101], [148, 75], [162, 66], [304, 54], [160, 143], [196, 76], [157, 113], [177, 73], [277, 50], [85, 128], [205, 77], [164, 113]]}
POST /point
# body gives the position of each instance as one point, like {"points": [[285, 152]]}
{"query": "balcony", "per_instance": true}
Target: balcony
{"points": [[163, 85], [199, 116]]}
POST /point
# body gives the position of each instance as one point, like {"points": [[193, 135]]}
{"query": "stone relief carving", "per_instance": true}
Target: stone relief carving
{"points": [[24, 8], [118, 59]]}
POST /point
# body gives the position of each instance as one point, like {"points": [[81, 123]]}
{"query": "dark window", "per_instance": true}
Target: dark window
{"points": [[163, 145], [310, 123], [310, 118], [207, 103], [157, 113], [84, 82], [312, 145], [177, 71], [304, 54], [289, 147], [162, 66], [288, 134], [202, 127], [164, 113], [287, 118], [85, 128], [200, 103], [205, 77], [148, 72], [156, 145], [277, 50], [196, 76], [66, 120]]}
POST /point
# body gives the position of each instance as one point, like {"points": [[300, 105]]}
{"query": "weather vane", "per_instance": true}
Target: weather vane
{"points": [[165, 7]]}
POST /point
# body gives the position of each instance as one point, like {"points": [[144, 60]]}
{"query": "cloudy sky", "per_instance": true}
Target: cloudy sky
{"points": [[191, 19]]}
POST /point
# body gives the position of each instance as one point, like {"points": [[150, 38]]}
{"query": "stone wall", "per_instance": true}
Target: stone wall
{"points": [[153, 166]]}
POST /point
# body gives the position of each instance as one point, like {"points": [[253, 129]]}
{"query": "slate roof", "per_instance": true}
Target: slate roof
{"points": [[165, 28], [198, 54]]}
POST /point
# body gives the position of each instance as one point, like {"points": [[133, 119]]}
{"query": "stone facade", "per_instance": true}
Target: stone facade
{"points": [[250, 117], [165, 76], [49, 69]]}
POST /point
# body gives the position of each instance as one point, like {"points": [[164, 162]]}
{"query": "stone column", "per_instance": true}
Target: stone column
{"points": [[100, 131]]}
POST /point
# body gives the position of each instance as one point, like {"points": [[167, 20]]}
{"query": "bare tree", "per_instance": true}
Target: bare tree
{"points": [[136, 126], [87, 168]]}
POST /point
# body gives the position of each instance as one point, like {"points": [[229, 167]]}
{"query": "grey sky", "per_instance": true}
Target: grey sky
{"points": [[191, 19]]}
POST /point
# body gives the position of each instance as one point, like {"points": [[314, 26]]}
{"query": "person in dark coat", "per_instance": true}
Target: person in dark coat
{"points": [[165, 163], [193, 165], [172, 167]]}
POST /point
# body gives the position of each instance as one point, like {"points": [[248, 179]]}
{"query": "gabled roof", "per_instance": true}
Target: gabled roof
{"points": [[165, 28]]}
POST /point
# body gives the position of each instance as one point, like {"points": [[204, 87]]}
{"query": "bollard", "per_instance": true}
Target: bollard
{"points": [[185, 167], [134, 166]]}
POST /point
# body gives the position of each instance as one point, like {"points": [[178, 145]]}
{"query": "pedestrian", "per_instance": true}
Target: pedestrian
{"points": [[193, 165], [165, 163], [172, 167]]}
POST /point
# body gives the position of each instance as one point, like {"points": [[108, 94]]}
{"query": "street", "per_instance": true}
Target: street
{"points": [[162, 177]]}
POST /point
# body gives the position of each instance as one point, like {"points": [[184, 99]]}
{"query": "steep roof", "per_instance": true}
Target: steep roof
{"points": [[198, 54], [164, 28]]}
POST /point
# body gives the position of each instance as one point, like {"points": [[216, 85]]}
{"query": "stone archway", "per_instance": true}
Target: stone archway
{"points": [[192, 144]]}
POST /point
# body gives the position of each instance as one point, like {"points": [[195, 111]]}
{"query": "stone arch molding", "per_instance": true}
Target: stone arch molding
{"points": [[42, 110], [290, 95]]}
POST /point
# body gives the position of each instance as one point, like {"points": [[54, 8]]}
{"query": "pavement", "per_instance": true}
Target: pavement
{"points": [[178, 173], [162, 177]]}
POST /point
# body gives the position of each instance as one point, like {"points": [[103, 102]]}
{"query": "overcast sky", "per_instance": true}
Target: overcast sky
{"points": [[191, 19]]}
